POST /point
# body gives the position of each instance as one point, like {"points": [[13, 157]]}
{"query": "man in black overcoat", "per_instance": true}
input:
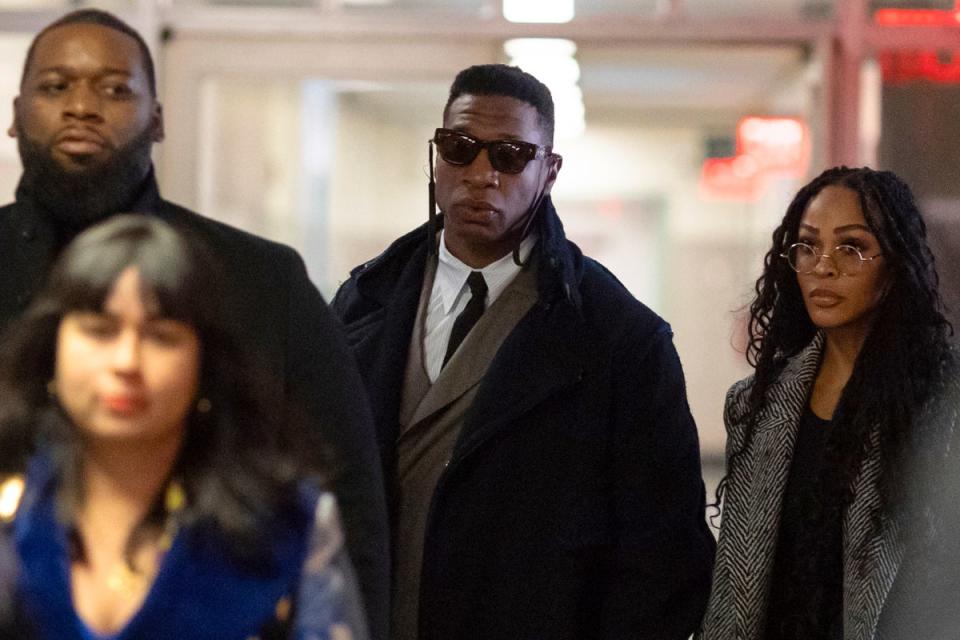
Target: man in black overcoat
{"points": [[85, 121], [542, 464]]}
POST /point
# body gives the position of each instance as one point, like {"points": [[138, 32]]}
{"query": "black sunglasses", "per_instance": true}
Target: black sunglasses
{"points": [[506, 156]]}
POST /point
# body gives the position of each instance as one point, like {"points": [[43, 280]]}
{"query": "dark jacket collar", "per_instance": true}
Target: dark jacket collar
{"points": [[560, 268], [147, 198], [31, 218]]}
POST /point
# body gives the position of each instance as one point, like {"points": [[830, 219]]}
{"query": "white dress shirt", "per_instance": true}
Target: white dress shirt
{"points": [[451, 293]]}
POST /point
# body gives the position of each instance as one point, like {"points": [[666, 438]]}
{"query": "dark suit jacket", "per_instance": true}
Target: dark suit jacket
{"points": [[287, 330], [572, 506]]}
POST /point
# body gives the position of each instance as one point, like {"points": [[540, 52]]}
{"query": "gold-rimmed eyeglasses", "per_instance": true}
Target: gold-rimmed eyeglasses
{"points": [[804, 258]]}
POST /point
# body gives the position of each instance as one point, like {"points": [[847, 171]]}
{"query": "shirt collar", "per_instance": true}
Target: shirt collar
{"points": [[452, 273]]}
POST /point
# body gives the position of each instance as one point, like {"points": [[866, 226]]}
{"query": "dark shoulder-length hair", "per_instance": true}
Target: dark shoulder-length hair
{"points": [[240, 464], [906, 348]]}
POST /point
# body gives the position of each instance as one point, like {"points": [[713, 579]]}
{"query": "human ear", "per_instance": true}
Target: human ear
{"points": [[156, 123], [12, 131], [554, 162]]}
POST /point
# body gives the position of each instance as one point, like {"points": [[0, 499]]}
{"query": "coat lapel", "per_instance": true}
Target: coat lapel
{"points": [[416, 381], [27, 249], [544, 353], [470, 363], [872, 549], [754, 518], [380, 342]]}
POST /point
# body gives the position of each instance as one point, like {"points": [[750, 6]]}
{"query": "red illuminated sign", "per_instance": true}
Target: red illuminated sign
{"points": [[730, 179], [767, 147], [778, 145], [900, 67], [917, 18]]}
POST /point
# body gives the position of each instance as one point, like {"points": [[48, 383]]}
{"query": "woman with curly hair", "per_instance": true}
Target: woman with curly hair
{"points": [[146, 490], [852, 362]]}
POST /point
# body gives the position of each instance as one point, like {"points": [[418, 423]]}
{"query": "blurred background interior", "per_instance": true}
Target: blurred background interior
{"points": [[685, 125]]}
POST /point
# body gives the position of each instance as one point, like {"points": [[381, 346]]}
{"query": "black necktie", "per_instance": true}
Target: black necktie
{"points": [[470, 314]]}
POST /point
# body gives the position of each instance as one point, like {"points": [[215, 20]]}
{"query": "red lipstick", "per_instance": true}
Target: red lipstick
{"points": [[124, 404]]}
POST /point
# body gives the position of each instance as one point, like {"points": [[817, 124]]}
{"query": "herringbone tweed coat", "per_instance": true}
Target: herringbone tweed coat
{"points": [[751, 515]]}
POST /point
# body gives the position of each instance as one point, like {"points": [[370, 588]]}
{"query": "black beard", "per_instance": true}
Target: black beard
{"points": [[77, 199]]}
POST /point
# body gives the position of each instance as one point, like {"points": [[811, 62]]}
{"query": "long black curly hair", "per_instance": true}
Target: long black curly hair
{"points": [[902, 359], [905, 349]]}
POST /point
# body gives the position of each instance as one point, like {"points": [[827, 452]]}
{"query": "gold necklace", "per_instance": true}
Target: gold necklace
{"points": [[174, 500], [127, 580]]}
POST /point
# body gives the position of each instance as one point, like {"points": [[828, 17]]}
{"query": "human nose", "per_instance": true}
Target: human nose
{"points": [[826, 265], [481, 173], [82, 102], [127, 353]]}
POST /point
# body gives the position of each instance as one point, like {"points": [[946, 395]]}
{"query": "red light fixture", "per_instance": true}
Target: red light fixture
{"points": [[767, 147]]}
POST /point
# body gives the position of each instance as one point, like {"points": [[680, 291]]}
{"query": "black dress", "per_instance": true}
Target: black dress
{"points": [[806, 589]]}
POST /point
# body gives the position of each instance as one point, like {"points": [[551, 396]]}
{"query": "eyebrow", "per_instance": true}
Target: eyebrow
{"points": [[149, 316], [72, 71], [854, 227], [846, 227]]}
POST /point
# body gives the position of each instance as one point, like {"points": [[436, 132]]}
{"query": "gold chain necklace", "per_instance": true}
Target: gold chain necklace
{"points": [[128, 581]]}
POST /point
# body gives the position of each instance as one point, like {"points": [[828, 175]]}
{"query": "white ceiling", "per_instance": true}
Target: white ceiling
{"points": [[584, 8], [650, 8], [627, 82], [723, 78]]}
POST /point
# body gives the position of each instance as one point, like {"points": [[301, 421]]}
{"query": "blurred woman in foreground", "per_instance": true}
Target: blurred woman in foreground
{"points": [[148, 493], [852, 366]]}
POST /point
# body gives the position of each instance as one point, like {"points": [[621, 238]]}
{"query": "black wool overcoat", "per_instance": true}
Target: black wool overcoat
{"points": [[572, 506]]}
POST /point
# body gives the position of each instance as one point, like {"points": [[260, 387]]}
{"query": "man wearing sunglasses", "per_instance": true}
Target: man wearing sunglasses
{"points": [[542, 463]]}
